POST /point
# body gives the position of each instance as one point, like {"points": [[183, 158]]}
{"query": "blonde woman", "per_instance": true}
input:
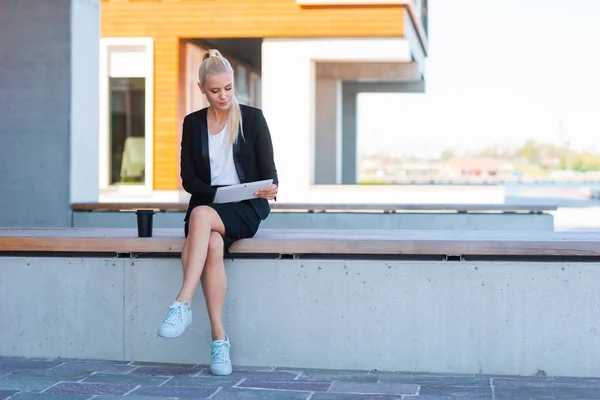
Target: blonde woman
{"points": [[223, 144]]}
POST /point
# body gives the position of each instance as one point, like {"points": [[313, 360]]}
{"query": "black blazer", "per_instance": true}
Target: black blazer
{"points": [[252, 155]]}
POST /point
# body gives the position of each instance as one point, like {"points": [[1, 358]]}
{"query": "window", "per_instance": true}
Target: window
{"points": [[126, 115]]}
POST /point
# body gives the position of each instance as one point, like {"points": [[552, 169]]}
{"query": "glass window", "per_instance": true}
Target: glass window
{"points": [[127, 109]]}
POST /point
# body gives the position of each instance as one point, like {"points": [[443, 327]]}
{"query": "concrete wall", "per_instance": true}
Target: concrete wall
{"points": [[494, 317], [38, 78], [338, 220]]}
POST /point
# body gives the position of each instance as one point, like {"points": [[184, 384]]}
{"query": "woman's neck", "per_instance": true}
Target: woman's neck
{"points": [[217, 115]]}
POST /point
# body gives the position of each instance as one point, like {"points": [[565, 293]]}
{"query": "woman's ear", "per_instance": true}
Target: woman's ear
{"points": [[200, 87]]}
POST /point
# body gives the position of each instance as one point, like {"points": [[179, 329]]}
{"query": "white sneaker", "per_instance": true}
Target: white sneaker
{"points": [[177, 320]]}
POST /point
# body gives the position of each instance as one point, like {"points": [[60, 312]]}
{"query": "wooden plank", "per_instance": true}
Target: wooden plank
{"points": [[332, 206], [278, 241], [248, 18]]}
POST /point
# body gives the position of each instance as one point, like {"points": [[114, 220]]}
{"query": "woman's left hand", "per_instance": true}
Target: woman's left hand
{"points": [[268, 193]]}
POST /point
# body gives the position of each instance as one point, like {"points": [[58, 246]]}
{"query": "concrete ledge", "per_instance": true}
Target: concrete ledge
{"points": [[497, 317]]}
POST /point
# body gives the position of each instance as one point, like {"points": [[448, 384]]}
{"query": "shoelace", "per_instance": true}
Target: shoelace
{"points": [[219, 352], [175, 314]]}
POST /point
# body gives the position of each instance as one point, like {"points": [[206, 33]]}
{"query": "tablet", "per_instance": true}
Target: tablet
{"points": [[243, 191]]}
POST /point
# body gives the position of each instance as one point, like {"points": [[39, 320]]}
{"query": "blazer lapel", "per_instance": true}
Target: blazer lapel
{"points": [[236, 159], [205, 155]]}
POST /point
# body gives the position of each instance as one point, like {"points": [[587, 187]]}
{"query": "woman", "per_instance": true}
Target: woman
{"points": [[224, 144]]}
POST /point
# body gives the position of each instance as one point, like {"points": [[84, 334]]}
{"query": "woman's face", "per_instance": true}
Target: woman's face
{"points": [[218, 90]]}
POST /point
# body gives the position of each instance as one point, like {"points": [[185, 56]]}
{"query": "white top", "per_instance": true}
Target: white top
{"points": [[222, 167]]}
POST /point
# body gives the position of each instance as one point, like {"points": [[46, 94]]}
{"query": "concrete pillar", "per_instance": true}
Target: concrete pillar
{"points": [[349, 148], [328, 131], [48, 109]]}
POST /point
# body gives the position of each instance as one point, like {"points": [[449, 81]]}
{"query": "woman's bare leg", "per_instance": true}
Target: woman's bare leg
{"points": [[214, 285], [203, 221]]}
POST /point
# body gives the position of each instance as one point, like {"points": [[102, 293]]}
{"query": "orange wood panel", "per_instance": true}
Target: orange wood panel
{"points": [[246, 18], [166, 101]]}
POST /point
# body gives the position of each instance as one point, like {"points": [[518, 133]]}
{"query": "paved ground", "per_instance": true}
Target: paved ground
{"points": [[41, 379]]}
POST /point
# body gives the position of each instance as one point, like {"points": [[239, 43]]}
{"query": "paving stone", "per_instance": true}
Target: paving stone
{"points": [[165, 371], [135, 398], [341, 375], [176, 391], [436, 380], [49, 396], [457, 391], [57, 375], [547, 393], [4, 394], [244, 368], [27, 383], [310, 386], [14, 364], [536, 381], [350, 396], [161, 364], [90, 388], [257, 375], [426, 397], [95, 367], [374, 388], [257, 394], [206, 381], [146, 380]]}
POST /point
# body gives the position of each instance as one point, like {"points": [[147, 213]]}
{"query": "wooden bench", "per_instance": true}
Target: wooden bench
{"points": [[325, 207], [313, 241]]}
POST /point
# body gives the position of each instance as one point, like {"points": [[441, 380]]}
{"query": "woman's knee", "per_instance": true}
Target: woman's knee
{"points": [[199, 216], [215, 245]]}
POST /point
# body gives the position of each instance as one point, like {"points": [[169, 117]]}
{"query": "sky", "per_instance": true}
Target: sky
{"points": [[498, 72]]}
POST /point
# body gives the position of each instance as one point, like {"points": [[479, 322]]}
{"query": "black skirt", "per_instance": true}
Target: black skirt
{"points": [[241, 221]]}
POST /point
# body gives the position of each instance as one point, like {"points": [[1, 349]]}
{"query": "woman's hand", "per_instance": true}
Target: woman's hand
{"points": [[268, 193]]}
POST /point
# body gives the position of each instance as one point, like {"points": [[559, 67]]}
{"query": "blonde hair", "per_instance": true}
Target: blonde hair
{"points": [[213, 63]]}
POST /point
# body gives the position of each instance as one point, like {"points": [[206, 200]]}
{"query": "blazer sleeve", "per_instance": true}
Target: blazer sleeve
{"points": [[264, 149], [190, 180]]}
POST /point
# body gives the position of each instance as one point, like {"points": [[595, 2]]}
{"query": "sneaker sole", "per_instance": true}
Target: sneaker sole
{"points": [[172, 335]]}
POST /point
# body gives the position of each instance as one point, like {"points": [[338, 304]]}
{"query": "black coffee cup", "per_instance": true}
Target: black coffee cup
{"points": [[144, 222]]}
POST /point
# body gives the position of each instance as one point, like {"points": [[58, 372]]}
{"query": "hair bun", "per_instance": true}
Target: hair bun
{"points": [[211, 53]]}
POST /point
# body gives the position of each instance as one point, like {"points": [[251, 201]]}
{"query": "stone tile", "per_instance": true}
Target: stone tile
{"points": [[257, 394], [536, 381], [206, 381], [436, 380], [350, 396], [341, 375], [14, 364], [431, 374], [27, 383], [448, 398], [165, 371], [374, 388], [547, 393], [95, 367], [49, 396], [161, 364], [176, 391], [309, 386], [257, 375], [146, 380], [90, 388], [57, 375], [244, 368], [134, 397], [4, 394], [457, 391]]}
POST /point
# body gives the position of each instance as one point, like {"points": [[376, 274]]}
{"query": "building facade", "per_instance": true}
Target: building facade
{"points": [[302, 61]]}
